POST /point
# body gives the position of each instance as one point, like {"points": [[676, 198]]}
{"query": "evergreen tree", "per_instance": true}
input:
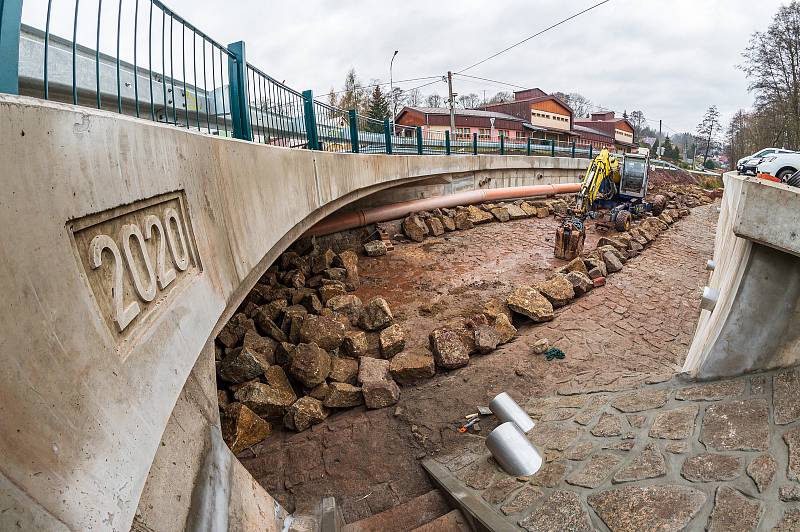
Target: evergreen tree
{"points": [[378, 107]]}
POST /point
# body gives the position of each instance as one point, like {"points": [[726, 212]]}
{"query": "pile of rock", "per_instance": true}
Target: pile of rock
{"points": [[435, 223], [301, 346], [590, 270], [686, 196]]}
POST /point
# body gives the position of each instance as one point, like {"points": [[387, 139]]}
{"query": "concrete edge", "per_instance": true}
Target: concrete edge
{"points": [[479, 513]]}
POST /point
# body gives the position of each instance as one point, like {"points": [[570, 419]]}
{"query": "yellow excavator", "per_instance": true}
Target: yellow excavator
{"points": [[613, 192]]}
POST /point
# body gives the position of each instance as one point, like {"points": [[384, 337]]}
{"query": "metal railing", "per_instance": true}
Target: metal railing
{"points": [[142, 59]]}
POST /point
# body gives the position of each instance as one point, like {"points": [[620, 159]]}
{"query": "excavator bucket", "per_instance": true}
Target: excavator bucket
{"points": [[569, 239]]}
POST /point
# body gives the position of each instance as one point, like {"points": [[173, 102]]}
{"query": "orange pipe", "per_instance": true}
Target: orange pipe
{"points": [[362, 217]]}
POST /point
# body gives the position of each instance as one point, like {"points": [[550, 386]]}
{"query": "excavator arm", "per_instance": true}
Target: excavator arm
{"points": [[601, 182]]}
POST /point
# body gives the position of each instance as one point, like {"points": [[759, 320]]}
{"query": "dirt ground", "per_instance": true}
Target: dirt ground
{"points": [[636, 329]]}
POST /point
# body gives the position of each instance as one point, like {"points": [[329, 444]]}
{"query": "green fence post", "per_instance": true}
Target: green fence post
{"points": [[387, 134], [353, 130], [474, 144], [10, 17], [310, 120], [573, 149], [502, 145], [419, 140], [447, 141], [552, 148], [240, 108], [590, 150], [529, 147]]}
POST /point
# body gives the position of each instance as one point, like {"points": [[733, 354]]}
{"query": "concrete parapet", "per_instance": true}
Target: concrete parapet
{"points": [[126, 246], [753, 325]]}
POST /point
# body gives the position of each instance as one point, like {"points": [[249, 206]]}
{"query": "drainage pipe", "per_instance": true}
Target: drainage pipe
{"points": [[362, 217]]}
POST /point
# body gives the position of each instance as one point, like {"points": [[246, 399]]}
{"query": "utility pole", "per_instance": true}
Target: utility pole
{"points": [[660, 144], [452, 103], [391, 89]]}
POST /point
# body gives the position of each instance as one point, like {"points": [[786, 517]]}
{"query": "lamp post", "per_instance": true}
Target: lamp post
{"points": [[391, 89]]}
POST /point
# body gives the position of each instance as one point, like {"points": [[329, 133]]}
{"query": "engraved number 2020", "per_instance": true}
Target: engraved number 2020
{"points": [[132, 241]]}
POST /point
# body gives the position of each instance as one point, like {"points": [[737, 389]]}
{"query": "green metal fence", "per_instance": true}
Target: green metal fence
{"points": [[143, 59]]}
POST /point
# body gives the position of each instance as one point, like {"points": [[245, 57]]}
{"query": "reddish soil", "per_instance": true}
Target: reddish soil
{"points": [[636, 328]]}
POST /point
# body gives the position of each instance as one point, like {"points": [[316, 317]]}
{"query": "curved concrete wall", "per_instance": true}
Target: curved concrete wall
{"points": [[95, 351], [753, 325]]}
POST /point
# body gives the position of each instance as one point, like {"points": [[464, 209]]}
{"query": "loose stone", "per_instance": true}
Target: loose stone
{"points": [[410, 367], [375, 248], [558, 290], [343, 395], [310, 364], [529, 302], [376, 315], [305, 412], [242, 428], [449, 349], [392, 340]]}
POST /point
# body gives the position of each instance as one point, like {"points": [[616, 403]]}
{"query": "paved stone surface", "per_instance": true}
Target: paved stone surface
{"points": [[641, 400], [607, 426], [790, 522], [711, 392], [675, 424], [762, 470], [561, 511], [596, 470], [649, 464], [549, 475], [785, 396], [737, 426], [556, 436], [734, 512], [634, 508], [792, 439], [522, 500], [708, 467]]}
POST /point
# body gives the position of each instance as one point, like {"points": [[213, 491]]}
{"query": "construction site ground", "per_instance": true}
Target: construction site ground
{"points": [[634, 330]]}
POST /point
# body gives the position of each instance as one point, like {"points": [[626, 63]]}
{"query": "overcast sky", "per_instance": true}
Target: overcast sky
{"points": [[670, 59]]}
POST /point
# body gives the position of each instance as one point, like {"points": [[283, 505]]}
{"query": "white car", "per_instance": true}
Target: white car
{"points": [[747, 165], [780, 165]]}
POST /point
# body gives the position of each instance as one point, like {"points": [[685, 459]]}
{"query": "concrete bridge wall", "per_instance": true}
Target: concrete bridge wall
{"points": [[754, 324], [126, 246]]}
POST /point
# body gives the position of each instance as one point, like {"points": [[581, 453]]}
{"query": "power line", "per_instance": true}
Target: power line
{"points": [[490, 80], [504, 50], [385, 83]]}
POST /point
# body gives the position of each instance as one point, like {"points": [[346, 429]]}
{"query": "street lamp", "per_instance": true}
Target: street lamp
{"points": [[391, 89]]}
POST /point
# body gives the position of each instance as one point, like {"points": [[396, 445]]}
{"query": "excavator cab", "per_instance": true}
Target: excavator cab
{"points": [[633, 181]]}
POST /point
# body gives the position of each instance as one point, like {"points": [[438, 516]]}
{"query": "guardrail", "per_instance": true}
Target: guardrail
{"points": [[147, 61]]}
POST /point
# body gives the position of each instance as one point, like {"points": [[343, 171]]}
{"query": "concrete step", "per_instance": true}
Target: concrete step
{"points": [[405, 517], [452, 521]]}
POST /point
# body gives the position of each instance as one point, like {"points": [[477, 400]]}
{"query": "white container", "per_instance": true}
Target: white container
{"points": [[506, 409], [512, 450]]}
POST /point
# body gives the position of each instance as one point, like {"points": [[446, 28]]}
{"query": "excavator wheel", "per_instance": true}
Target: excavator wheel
{"points": [[659, 204], [623, 221]]}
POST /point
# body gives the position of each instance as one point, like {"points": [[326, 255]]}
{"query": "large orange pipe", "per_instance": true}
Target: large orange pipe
{"points": [[362, 217]]}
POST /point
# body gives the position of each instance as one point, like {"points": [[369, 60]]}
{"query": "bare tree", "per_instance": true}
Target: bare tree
{"points": [[707, 128], [772, 64], [580, 104], [638, 120], [434, 100], [501, 97], [469, 101], [396, 98], [354, 95], [413, 98]]}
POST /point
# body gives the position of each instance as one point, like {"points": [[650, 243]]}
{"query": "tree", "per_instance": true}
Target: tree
{"points": [[378, 108], [396, 98], [707, 128], [580, 105], [354, 96], [469, 101], [637, 119], [772, 63], [413, 98], [654, 149], [332, 100], [501, 97], [434, 100]]}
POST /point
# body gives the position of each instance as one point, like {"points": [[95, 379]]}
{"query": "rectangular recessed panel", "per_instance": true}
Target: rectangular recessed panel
{"points": [[134, 257]]}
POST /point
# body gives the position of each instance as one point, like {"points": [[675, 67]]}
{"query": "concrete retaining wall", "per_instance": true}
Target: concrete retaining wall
{"points": [[753, 326], [126, 246]]}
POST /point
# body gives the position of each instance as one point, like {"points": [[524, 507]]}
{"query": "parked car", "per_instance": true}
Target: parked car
{"points": [[747, 165], [780, 165]]}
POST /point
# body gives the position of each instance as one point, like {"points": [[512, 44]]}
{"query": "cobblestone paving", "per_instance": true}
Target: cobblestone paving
{"points": [[677, 455], [634, 330]]}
